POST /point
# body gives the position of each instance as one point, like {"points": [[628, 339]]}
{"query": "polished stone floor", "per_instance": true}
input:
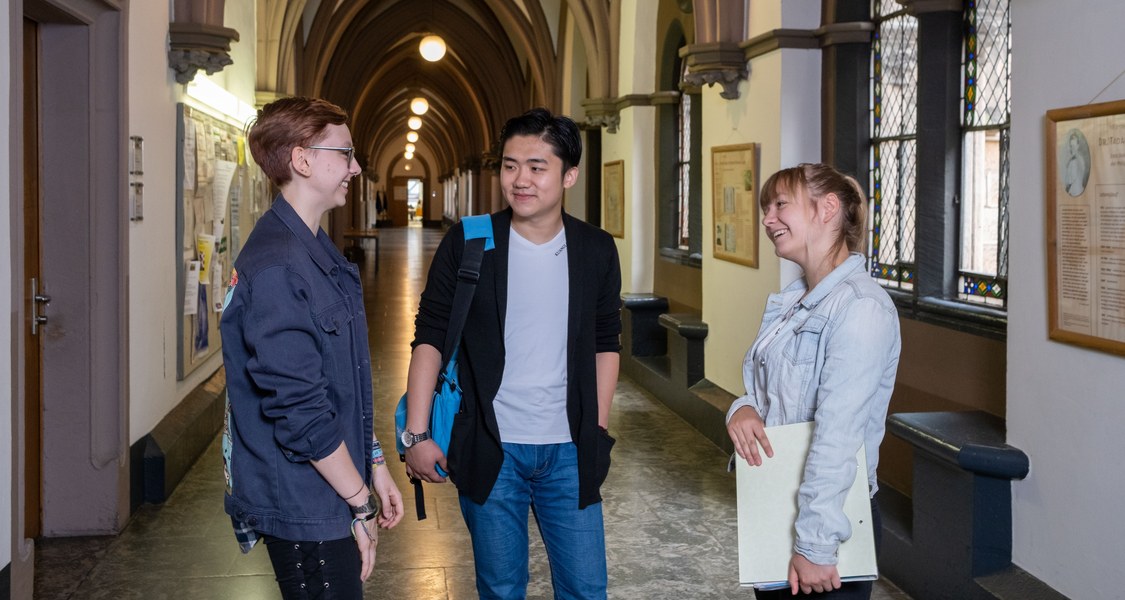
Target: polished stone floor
{"points": [[668, 501]]}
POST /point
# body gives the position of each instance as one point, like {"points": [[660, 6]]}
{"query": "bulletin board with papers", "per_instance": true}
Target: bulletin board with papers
{"points": [[220, 194]]}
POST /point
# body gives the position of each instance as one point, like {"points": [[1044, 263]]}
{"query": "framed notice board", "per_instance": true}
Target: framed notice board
{"points": [[1085, 167], [220, 193], [734, 180]]}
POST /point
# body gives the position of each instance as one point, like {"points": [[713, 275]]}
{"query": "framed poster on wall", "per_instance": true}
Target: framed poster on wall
{"points": [[734, 177], [1085, 166], [613, 180]]}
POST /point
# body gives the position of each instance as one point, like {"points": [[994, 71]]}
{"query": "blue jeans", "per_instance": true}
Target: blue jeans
{"points": [[543, 478]]}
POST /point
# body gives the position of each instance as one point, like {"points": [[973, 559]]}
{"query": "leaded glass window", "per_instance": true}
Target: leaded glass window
{"points": [[986, 122], [894, 81], [683, 168]]}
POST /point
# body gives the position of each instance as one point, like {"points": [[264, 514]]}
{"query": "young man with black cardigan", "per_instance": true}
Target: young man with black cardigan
{"points": [[538, 363]]}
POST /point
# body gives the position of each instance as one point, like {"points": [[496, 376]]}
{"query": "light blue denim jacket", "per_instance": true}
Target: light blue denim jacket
{"points": [[831, 358]]}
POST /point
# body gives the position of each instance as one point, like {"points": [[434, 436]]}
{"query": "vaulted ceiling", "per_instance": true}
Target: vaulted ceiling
{"points": [[502, 58]]}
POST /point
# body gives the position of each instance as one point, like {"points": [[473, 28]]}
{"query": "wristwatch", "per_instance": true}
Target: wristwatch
{"points": [[409, 439], [369, 508]]}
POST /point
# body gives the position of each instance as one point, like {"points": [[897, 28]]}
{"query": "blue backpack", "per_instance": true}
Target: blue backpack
{"points": [[447, 392]]}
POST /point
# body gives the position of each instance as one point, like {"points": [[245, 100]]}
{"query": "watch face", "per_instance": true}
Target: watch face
{"points": [[407, 439]]}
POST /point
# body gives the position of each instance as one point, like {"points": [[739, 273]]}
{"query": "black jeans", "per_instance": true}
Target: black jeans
{"points": [[326, 570], [853, 590]]}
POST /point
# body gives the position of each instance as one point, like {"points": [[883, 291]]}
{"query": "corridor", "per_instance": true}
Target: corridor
{"points": [[669, 503]]}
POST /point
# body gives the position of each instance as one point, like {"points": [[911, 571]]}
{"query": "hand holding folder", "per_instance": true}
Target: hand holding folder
{"points": [[767, 511]]}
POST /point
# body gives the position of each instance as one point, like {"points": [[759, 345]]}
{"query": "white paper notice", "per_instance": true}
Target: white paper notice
{"points": [[224, 174], [189, 153], [218, 290], [191, 288], [1090, 227]]}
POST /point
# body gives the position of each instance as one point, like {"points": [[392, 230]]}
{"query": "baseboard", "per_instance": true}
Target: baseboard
{"points": [[6, 582], [1014, 583], [161, 458]]}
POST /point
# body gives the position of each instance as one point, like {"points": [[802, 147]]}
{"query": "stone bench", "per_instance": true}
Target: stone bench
{"points": [[642, 335], [685, 346], [955, 531]]}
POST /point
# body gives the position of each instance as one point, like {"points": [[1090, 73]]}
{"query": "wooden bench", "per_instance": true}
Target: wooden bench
{"points": [[354, 252]]}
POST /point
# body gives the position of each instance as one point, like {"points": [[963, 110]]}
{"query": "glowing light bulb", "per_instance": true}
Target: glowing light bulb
{"points": [[412, 136], [432, 48], [408, 155], [414, 123], [410, 148], [419, 106]]}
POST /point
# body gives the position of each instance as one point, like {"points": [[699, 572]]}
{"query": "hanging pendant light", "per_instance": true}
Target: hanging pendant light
{"points": [[414, 123], [419, 106], [410, 148], [412, 136], [408, 155], [432, 47]]}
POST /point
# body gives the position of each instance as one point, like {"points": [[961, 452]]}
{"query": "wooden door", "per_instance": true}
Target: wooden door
{"points": [[33, 285]]}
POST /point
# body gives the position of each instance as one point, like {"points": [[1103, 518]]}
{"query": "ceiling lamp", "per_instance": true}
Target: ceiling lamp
{"points": [[432, 48], [408, 155], [419, 106], [412, 136], [410, 148], [414, 123]]}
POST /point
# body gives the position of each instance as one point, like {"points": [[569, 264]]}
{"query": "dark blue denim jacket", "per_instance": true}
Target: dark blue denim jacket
{"points": [[298, 379]]}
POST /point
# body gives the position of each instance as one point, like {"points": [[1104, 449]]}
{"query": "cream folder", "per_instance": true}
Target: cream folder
{"points": [[767, 511]]}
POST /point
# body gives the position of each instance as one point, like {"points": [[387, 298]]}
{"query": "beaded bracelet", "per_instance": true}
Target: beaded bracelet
{"points": [[377, 458]]}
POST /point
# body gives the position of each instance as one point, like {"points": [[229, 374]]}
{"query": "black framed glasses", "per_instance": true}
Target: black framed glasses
{"points": [[348, 151]]}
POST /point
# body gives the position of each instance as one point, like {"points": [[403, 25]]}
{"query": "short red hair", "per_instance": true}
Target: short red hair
{"points": [[285, 124]]}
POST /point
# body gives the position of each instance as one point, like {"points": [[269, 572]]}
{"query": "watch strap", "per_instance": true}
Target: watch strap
{"points": [[369, 508]]}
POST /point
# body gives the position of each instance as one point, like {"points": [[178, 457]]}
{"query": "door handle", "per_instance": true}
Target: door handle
{"points": [[37, 319]]}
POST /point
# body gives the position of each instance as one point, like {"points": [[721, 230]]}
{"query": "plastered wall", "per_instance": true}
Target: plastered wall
{"points": [[153, 94], [1065, 404]]}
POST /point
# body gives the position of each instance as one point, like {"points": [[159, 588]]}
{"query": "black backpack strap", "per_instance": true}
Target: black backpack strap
{"points": [[467, 276], [419, 497]]}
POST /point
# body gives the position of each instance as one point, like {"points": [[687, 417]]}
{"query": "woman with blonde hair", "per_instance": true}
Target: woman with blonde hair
{"points": [[827, 352]]}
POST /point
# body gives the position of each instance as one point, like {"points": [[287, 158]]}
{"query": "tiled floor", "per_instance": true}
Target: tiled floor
{"points": [[669, 503]]}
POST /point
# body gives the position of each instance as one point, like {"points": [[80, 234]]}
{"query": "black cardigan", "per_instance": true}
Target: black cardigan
{"points": [[594, 325]]}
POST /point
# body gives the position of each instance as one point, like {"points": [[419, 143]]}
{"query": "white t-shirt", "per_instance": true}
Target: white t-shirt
{"points": [[531, 403]]}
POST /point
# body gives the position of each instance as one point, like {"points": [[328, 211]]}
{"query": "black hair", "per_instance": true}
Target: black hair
{"points": [[558, 131]]}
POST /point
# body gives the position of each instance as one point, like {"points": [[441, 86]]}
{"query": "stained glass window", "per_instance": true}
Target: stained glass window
{"points": [[986, 122], [894, 81], [683, 166]]}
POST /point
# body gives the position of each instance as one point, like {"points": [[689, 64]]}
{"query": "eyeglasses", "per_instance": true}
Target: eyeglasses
{"points": [[349, 151]]}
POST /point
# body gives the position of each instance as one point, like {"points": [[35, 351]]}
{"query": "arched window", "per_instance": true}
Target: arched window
{"points": [[687, 237], [680, 219]]}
